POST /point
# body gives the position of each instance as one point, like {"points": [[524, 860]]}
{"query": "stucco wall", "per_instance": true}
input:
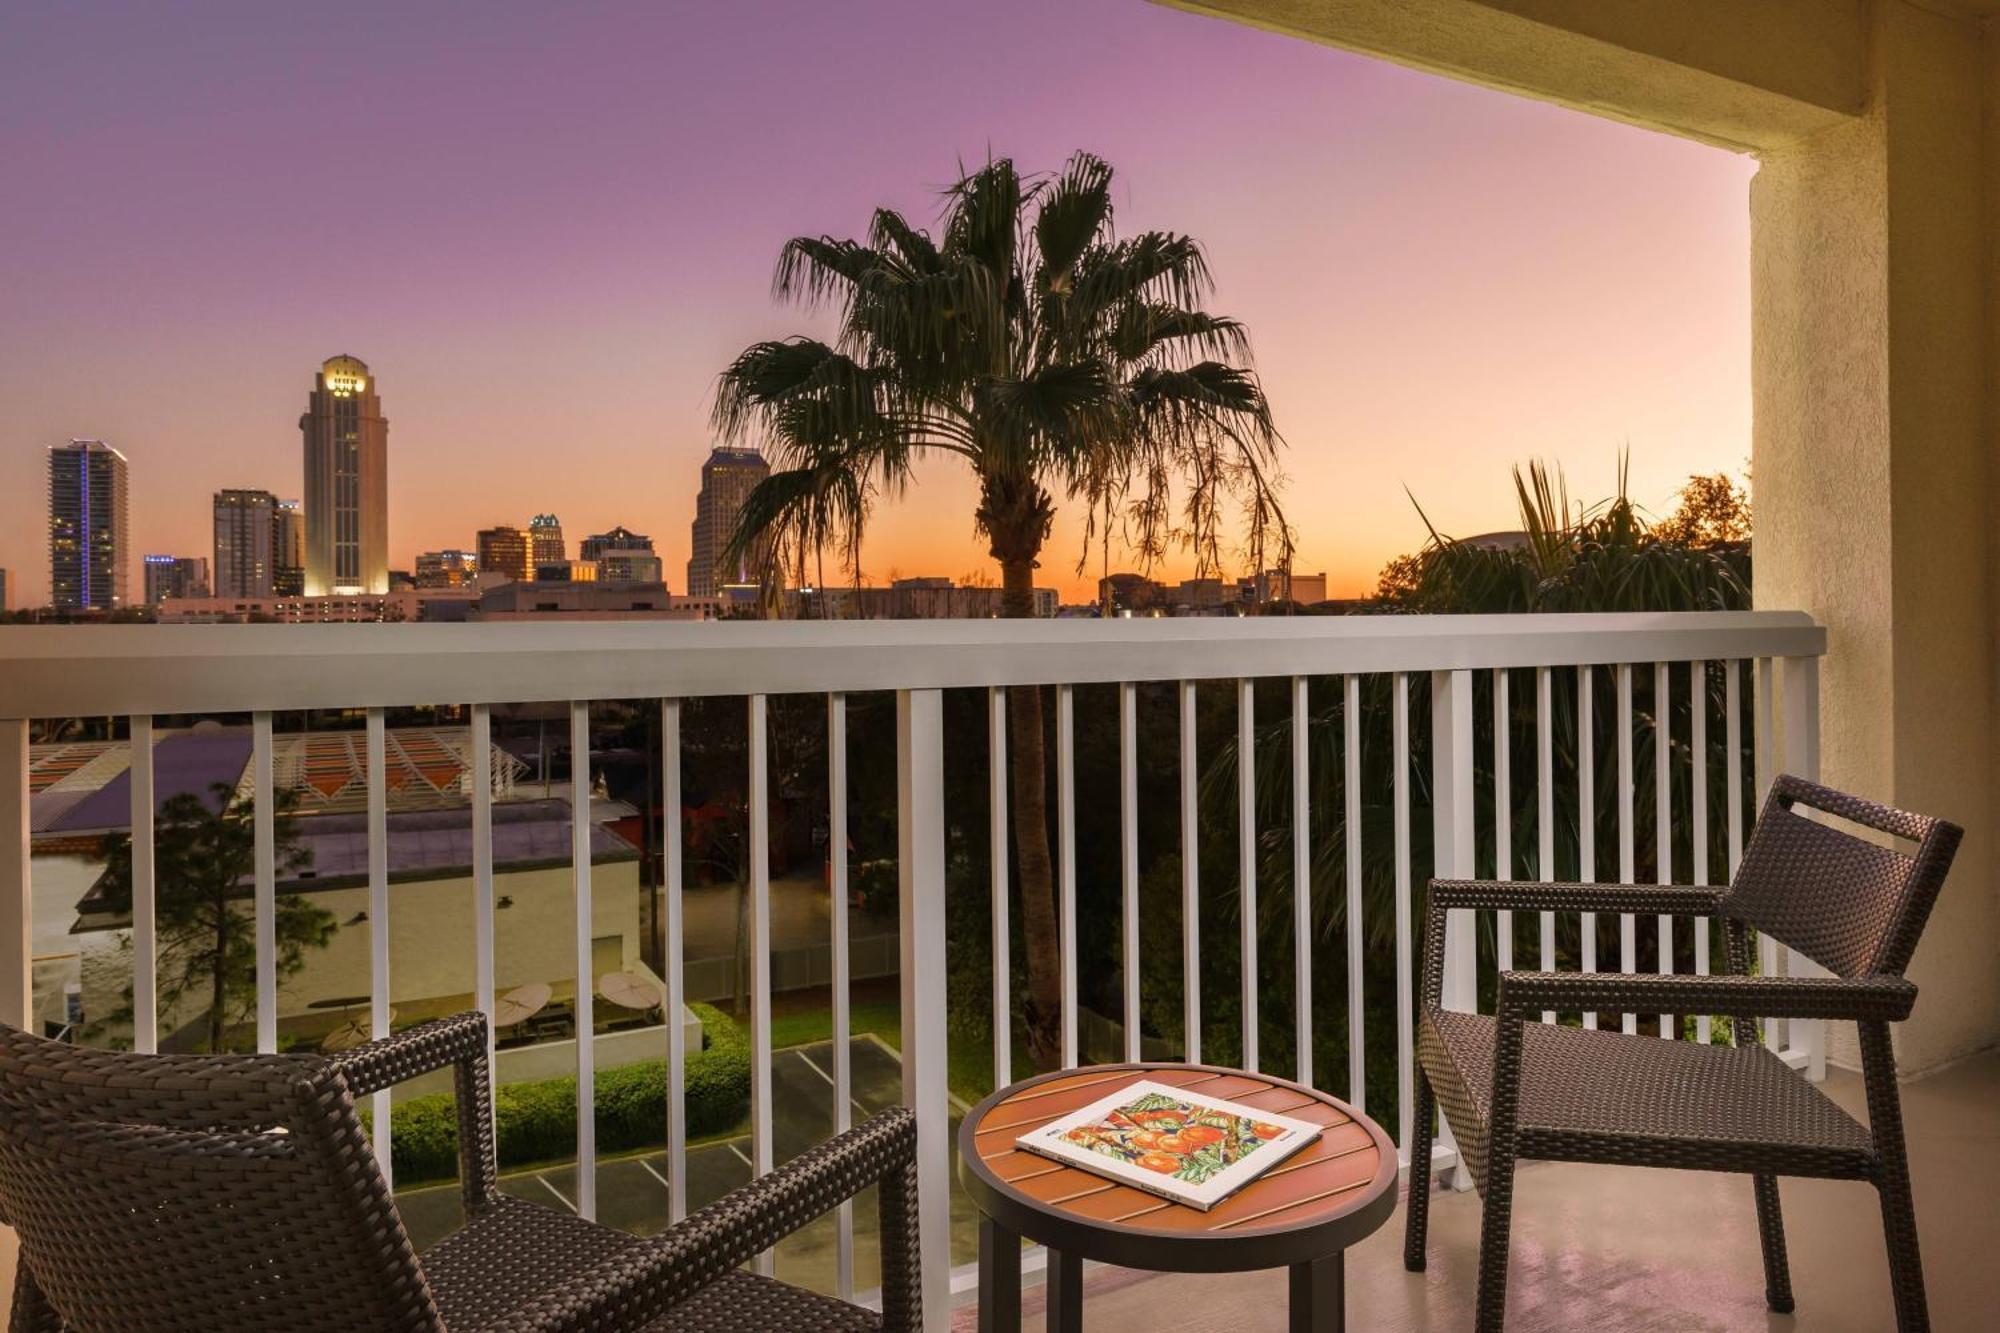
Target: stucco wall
{"points": [[430, 941]]}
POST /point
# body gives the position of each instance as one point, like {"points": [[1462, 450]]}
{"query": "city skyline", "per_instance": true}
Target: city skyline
{"points": [[553, 348]]}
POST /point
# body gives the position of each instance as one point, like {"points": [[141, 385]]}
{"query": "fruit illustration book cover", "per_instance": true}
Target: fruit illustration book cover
{"points": [[1171, 1142]]}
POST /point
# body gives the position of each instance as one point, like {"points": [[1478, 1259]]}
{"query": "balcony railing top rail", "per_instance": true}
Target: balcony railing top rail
{"points": [[88, 670]]}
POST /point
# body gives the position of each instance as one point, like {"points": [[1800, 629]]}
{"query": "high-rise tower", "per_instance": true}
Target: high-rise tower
{"points": [[87, 553], [346, 482], [246, 536], [727, 479], [545, 541], [504, 553], [288, 569]]}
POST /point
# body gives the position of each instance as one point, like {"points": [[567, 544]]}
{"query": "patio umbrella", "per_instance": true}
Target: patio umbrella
{"points": [[628, 991], [520, 1004]]}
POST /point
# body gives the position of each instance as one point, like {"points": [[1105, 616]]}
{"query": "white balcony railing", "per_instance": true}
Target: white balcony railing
{"points": [[1747, 676]]}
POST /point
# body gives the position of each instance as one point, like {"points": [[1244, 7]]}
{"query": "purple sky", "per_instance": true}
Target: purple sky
{"points": [[546, 228]]}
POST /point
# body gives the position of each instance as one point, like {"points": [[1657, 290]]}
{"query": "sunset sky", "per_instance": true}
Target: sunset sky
{"points": [[546, 228]]}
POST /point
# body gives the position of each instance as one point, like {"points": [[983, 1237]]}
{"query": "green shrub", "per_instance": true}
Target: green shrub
{"points": [[536, 1122]]}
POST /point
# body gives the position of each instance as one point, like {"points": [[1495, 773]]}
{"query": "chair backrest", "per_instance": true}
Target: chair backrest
{"points": [[1854, 906], [159, 1193]]}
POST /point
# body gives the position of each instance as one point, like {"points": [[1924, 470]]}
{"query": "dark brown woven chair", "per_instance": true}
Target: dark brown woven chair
{"points": [[160, 1193], [1512, 1086]]}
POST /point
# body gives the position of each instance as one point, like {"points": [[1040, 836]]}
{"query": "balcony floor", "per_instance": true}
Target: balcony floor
{"points": [[1637, 1250]]}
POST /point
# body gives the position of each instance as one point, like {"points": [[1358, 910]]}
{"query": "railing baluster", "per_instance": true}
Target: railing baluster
{"points": [[996, 819], [264, 902], [1802, 760], [675, 960], [1765, 758], [843, 1062], [1301, 884], [1190, 882], [1128, 858], [1066, 869], [921, 903], [586, 1019], [1545, 810], [378, 922], [760, 953], [1503, 816], [1628, 929], [1350, 777], [1732, 737], [1452, 847], [1452, 826], [17, 896], [1732, 740], [1405, 1001], [145, 903], [1663, 815], [1698, 799], [1586, 815], [1246, 857], [479, 774]]}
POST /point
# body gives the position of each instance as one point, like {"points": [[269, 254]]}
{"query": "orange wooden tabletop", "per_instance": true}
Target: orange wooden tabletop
{"points": [[1323, 1181]]}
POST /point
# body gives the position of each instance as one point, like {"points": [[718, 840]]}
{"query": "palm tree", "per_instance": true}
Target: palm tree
{"points": [[1053, 358]]}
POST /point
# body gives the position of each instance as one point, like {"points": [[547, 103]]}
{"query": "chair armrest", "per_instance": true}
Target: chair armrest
{"points": [[1542, 896], [637, 1286], [413, 1052], [458, 1042], [1882, 999]]}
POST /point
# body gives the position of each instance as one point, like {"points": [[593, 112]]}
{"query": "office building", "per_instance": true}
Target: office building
{"points": [[175, 576], [629, 565], [346, 482], [618, 539], [545, 541], [288, 572], [445, 569], [246, 543], [567, 571], [582, 601], [504, 553], [87, 518], [727, 479], [6, 590]]}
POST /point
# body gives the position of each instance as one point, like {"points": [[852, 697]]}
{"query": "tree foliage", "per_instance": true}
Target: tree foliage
{"points": [[204, 858], [1054, 358], [1601, 557]]}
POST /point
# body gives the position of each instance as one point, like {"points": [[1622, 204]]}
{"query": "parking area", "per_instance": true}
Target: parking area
{"points": [[632, 1191]]}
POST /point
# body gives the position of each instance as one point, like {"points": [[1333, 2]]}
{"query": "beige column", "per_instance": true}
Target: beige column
{"points": [[1871, 471]]}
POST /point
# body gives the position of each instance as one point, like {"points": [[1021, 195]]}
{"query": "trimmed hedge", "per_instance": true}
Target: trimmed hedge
{"points": [[536, 1122]]}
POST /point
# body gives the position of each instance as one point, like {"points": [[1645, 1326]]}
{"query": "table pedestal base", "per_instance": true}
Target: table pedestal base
{"points": [[1319, 1295], [1318, 1289]]}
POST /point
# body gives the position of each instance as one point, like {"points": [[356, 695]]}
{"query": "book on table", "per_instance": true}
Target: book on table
{"points": [[1182, 1146]]}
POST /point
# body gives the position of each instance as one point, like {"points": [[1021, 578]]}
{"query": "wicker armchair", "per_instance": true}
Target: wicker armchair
{"points": [[1513, 1087], [160, 1193]]}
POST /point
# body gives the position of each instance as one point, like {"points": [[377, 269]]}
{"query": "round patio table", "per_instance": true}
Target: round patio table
{"points": [[522, 1003], [1301, 1214]]}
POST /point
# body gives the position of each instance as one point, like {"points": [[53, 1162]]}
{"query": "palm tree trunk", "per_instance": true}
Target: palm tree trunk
{"points": [[1034, 870]]}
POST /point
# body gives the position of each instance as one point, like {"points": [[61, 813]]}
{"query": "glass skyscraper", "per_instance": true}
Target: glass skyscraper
{"points": [[87, 541]]}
